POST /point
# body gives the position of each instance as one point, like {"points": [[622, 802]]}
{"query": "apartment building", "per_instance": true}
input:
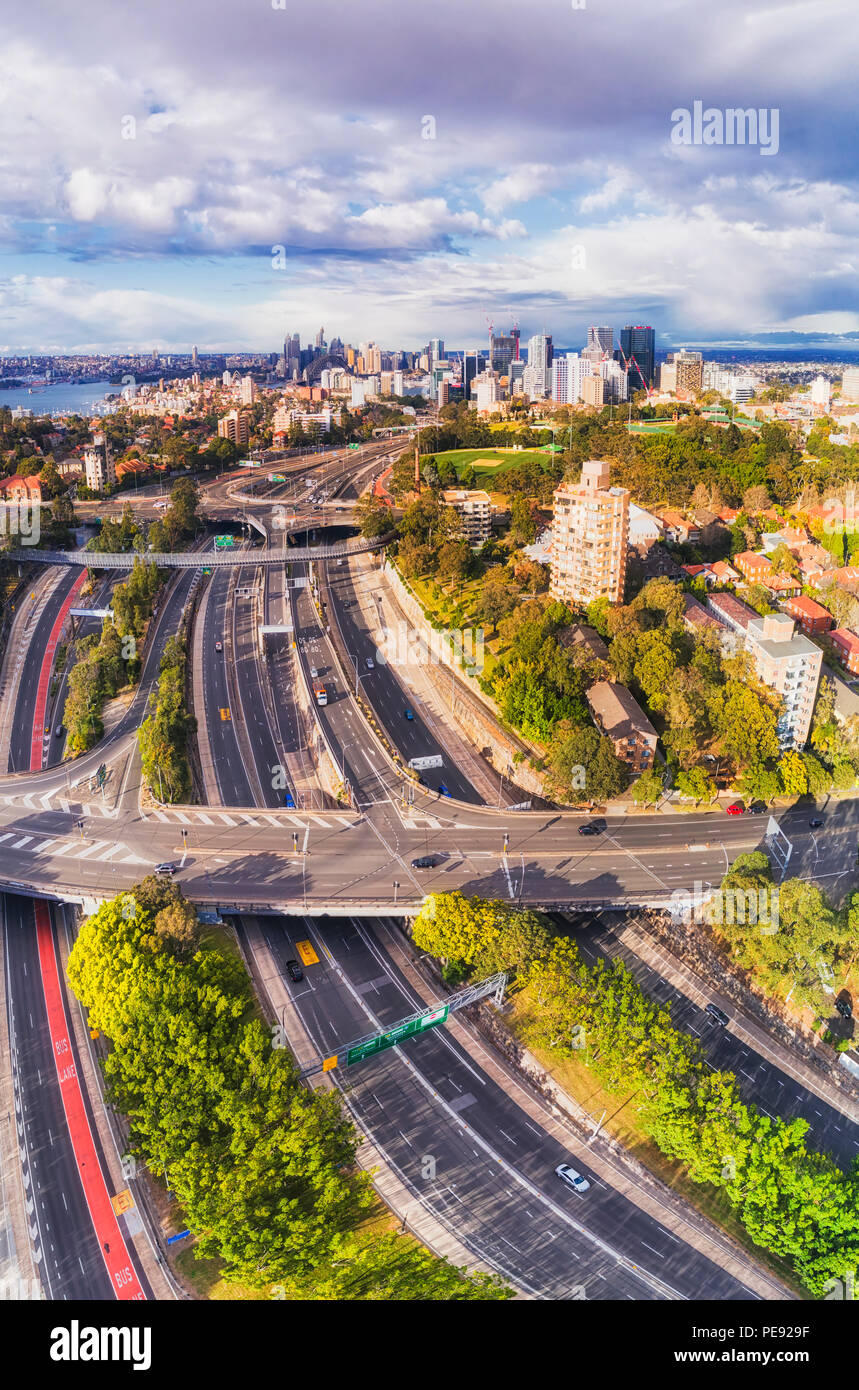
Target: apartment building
{"points": [[593, 390], [846, 644], [99, 468], [790, 664], [620, 717], [732, 612], [812, 617], [234, 426], [590, 536], [474, 509]]}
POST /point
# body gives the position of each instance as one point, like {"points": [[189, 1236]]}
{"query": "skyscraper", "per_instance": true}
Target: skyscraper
{"points": [[540, 361], [503, 348], [590, 534], [639, 341], [320, 338], [436, 349], [601, 337]]}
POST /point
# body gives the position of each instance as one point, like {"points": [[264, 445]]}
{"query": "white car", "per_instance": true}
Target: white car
{"points": [[313, 673], [572, 1178], [369, 663]]}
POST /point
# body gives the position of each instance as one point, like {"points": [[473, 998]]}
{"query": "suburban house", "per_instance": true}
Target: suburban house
{"points": [[678, 529], [619, 716], [18, 489]]}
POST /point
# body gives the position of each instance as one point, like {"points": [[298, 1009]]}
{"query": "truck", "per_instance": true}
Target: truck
{"points": [[321, 695]]}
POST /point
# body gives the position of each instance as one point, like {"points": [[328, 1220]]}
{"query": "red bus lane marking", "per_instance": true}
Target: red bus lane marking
{"points": [[45, 675], [123, 1278]]}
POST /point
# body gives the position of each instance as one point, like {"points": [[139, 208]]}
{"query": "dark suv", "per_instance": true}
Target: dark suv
{"points": [[718, 1014], [426, 861]]}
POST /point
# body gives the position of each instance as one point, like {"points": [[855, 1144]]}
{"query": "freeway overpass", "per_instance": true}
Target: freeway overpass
{"points": [[182, 559]]}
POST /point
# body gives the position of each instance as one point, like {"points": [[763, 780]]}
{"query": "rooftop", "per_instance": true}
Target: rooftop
{"points": [[618, 712]]}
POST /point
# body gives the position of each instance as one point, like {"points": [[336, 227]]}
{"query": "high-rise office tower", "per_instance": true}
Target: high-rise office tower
{"points": [[320, 338], [590, 534], [194, 355], [435, 352], [639, 341], [503, 347], [602, 338]]}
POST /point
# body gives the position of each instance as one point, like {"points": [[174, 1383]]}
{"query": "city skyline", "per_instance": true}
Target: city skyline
{"points": [[434, 184]]}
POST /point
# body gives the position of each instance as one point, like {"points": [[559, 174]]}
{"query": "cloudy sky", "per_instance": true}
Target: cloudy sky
{"points": [[425, 167]]}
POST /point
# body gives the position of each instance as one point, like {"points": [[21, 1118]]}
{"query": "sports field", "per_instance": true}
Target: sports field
{"points": [[492, 462]]}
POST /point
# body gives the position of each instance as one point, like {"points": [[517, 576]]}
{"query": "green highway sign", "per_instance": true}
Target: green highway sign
{"points": [[224, 542], [354, 446], [430, 1019]]}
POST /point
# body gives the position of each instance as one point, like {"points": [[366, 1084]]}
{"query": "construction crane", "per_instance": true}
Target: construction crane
{"points": [[631, 361]]}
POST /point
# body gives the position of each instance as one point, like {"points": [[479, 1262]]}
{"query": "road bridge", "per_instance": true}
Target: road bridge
{"points": [[219, 559]]}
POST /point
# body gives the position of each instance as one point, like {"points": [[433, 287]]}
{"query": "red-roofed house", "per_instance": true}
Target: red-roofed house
{"points": [[812, 617], [847, 574], [728, 515], [784, 585], [846, 644], [678, 529], [755, 567], [17, 489], [723, 573]]}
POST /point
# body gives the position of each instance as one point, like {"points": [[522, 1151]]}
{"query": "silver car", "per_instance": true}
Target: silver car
{"points": [[572, 1178]]}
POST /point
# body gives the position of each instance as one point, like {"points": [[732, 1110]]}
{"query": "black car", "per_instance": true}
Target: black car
{"points": [[844, 1007], [589, 828], [426, 861], [295, 971], [718, 1014], [757, 808], [815, 823]]}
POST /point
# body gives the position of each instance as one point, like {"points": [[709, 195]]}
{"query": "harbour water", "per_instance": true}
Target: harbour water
{"points": [[61, 398]]}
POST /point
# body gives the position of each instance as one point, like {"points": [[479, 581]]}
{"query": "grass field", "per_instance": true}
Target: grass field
{"points": [[491, 463]]}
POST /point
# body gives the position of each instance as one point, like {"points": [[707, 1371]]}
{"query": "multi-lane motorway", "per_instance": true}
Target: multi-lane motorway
{"points": [[492, 1155]]}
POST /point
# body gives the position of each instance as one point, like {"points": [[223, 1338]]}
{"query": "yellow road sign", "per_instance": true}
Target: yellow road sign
{"points": [[329, 1063], [307, 953], [123, 1201], [225, 715]]}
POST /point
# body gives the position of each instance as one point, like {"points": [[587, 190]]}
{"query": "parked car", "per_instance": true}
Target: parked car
{"points": [[718, 1014], [426, 861], [844, 1007], [736, 808], [407, 714], [295, 971], [568, 1175], [168, 869], [815, 822], [757, 808]]}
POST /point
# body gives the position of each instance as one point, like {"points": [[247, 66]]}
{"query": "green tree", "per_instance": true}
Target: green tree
{"points": [[648, 789]]}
